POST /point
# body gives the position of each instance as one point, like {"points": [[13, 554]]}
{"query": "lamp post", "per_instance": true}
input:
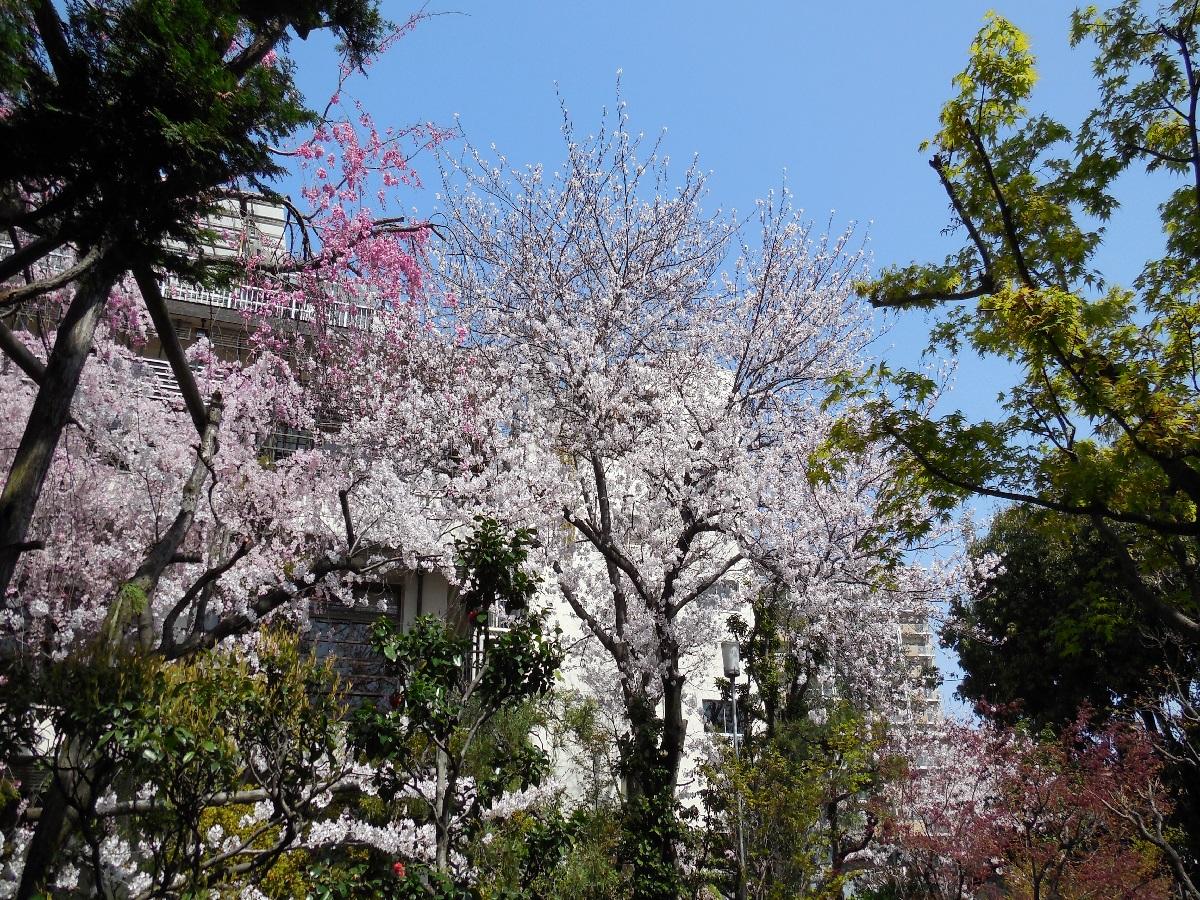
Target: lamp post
{"points": [[731, 660]]}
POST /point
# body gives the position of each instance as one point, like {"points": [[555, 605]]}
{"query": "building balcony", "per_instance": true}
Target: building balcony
{"points": [[253, 301]]}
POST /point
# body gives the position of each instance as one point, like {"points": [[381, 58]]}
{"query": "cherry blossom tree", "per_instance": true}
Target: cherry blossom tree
{"points": [[660, 376], [247, 535], [946, 827], [163, 528], [166, 107], [156, 544], [161, 547]]}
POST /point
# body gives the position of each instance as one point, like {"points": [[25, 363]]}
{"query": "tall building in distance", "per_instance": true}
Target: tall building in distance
{"points": [[916, 643]]}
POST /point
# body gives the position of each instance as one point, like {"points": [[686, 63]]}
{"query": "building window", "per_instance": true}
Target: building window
{"points": [[718, 717], [284, 441], [343, 633], [498, 622]]}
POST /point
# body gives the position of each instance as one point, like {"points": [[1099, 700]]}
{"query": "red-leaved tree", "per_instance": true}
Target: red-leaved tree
{"points": [[990, 811]]}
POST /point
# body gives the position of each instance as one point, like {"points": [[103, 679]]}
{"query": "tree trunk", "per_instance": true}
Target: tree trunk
{"points": [[74, 785], [52, 828], [674, 728], [443, 811], [651, 757], [50, 413]]}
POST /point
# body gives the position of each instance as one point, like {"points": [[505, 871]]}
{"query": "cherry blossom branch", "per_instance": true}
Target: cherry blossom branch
{"points": [[580, 610], [604, 504], [1155, 836], [189, 596], [19, 354], [266, 603], [253, 857], [29, 219], [610, 552], [696, 592], [134, 596], [15, 350], [27, 546], [256, 50], [222, 798], [683, 546]]}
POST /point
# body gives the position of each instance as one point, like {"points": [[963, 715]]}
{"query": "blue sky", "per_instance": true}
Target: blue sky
{"points": [[838, 95]]}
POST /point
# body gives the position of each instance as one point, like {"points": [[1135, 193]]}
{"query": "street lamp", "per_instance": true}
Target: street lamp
{"points": [[731, 658], [731, 661]]}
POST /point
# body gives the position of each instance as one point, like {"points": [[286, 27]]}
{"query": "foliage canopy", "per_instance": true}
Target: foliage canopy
{"points": [[1102, 420]]}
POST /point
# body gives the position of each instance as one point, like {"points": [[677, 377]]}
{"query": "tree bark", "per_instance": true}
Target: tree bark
{"points": [[443, 811], [50, 414], [73, 786], [674, 728], [651, 761]]}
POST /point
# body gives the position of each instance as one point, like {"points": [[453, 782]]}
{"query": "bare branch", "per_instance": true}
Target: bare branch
{"points": [[25, 256], [19, 353], [984, 288], [707, 583], [189, 596], [1169, 615], [1006, 213]]}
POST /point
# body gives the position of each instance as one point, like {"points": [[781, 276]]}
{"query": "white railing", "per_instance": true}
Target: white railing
{"points": [[160, 380], [157, 375], [268, 302], [482, 639]]}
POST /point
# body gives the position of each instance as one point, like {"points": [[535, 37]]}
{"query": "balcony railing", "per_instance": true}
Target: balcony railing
{"points": [[159, 379], [268, 302]]}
